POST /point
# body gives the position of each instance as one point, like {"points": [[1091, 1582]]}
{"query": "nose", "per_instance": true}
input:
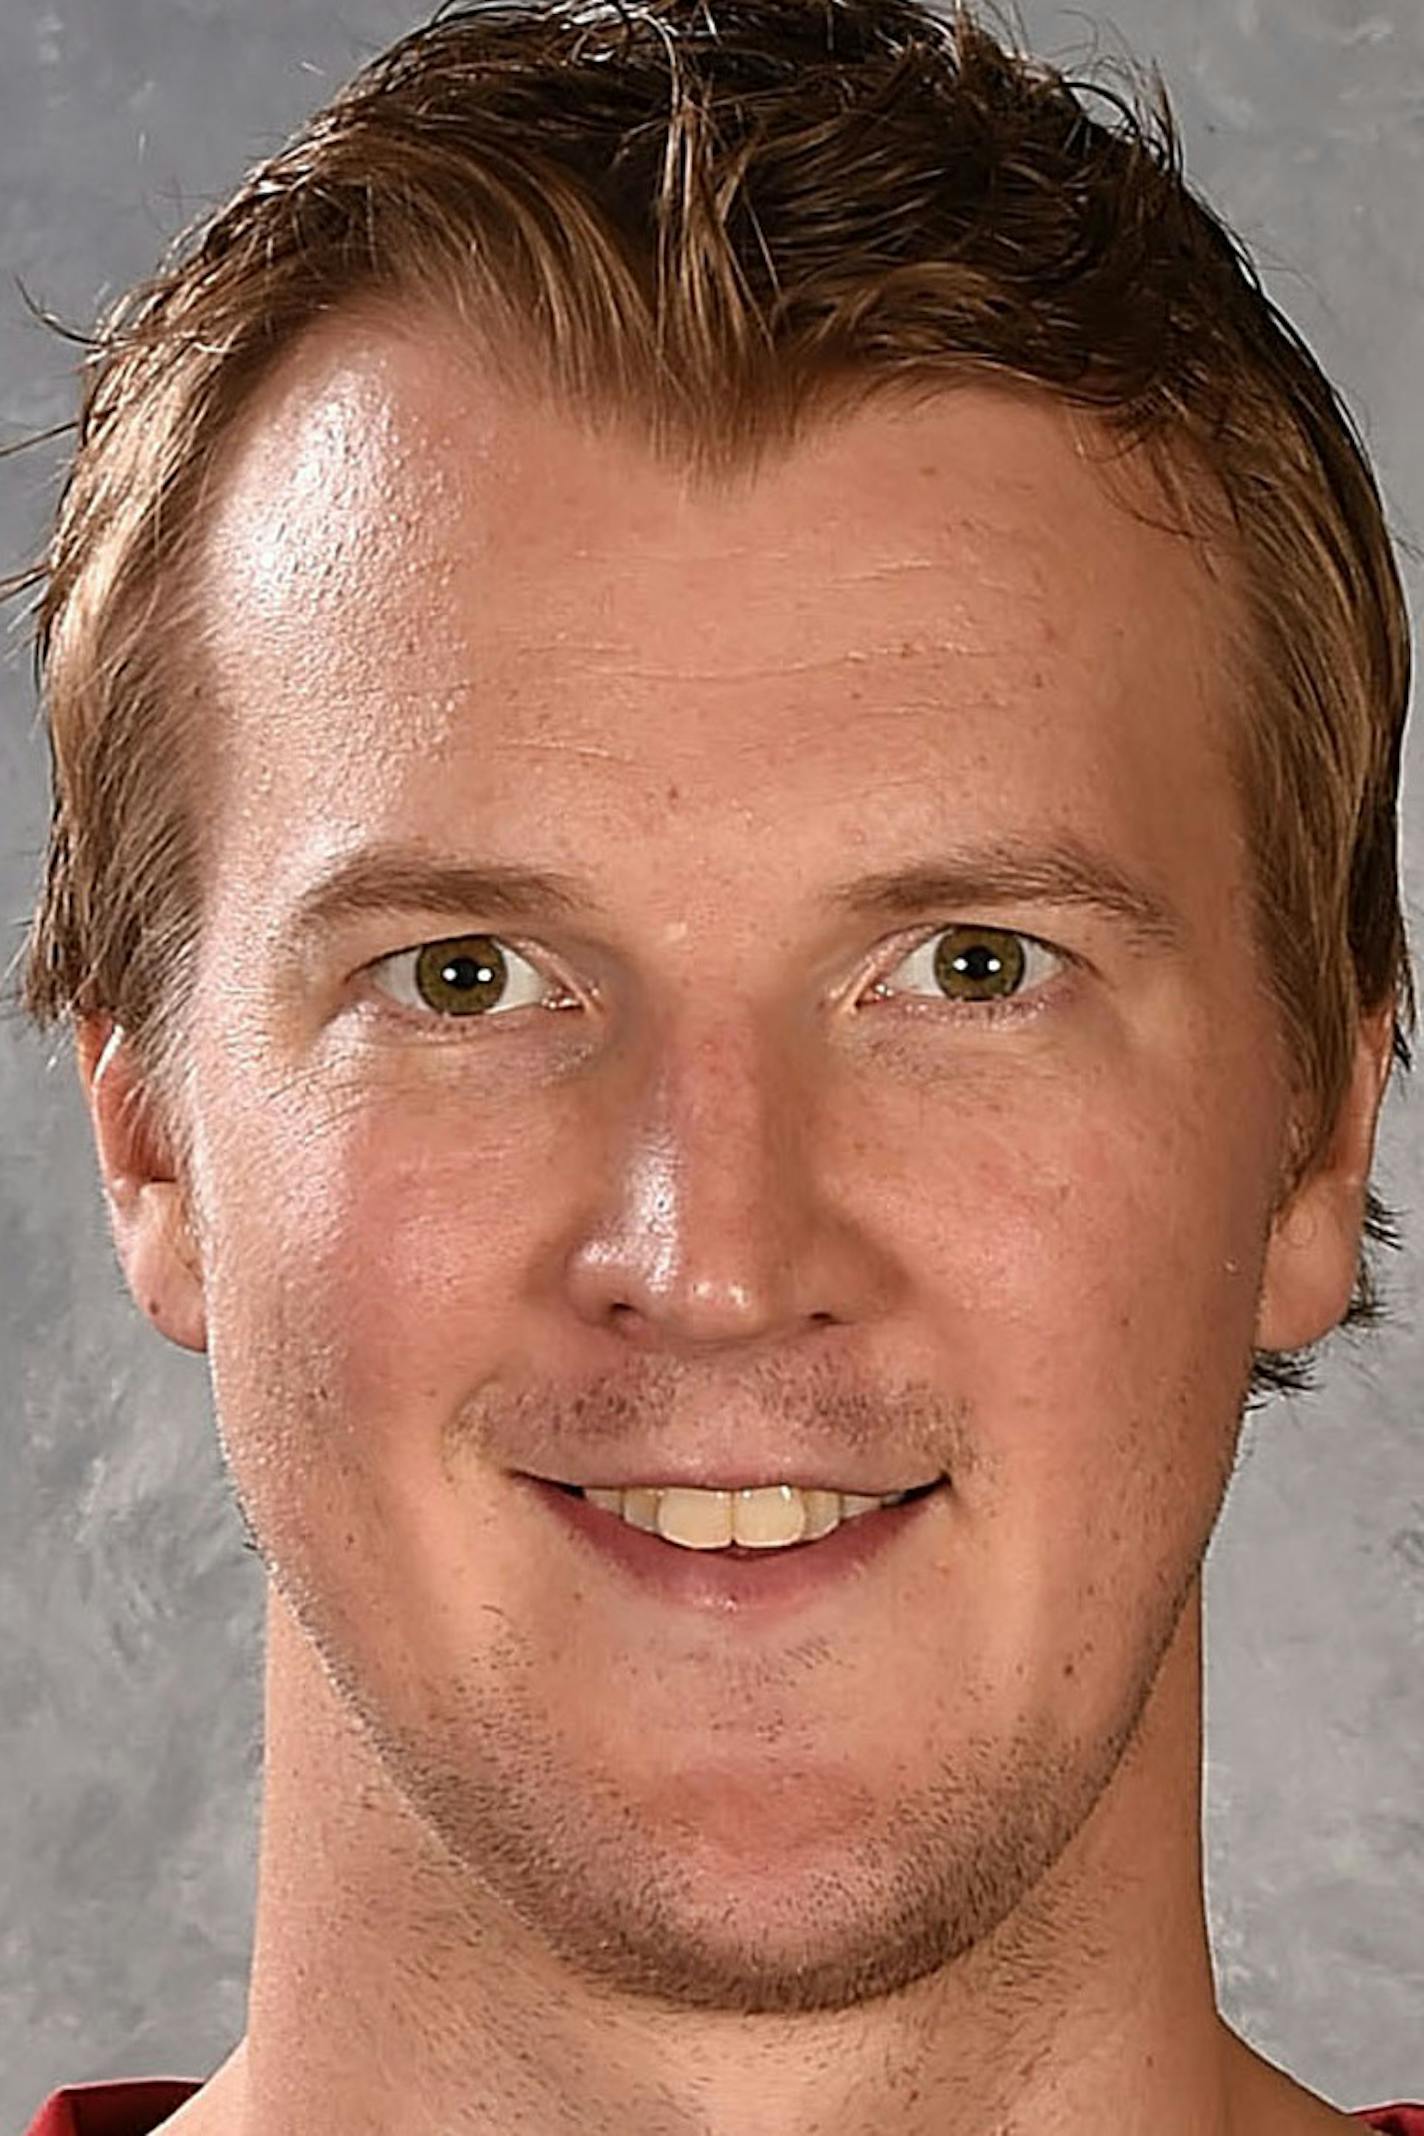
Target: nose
{"points": [[716, 1218]]}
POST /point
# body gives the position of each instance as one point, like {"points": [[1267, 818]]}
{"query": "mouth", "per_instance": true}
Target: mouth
{"points": [[733, 1578]]}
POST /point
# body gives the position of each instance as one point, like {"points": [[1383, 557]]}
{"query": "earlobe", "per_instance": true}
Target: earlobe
{"points": [[148, 1213], [1312, 1258]]}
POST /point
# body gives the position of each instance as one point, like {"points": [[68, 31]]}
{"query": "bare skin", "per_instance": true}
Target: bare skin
{"points": [[541, 1853]]}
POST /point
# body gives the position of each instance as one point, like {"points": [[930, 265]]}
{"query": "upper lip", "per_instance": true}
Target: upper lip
{"points": [[743, 1476]]}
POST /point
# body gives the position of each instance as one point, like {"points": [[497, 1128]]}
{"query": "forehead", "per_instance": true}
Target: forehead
{"points": [[415, 579]]}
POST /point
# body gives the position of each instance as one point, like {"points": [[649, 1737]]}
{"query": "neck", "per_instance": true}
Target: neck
{"points": [[387, 1994]]}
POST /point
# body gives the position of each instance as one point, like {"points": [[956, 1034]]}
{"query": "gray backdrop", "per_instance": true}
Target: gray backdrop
{"points": [[132, 1620]]}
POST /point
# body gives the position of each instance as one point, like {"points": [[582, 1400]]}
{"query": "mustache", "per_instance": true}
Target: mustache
{"points": [[822, 1410]]}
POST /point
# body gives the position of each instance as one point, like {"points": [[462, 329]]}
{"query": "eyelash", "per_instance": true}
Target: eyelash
{"points": [[1007, 1008]]}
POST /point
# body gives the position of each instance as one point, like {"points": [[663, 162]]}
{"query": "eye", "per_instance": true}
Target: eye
{"points": [[978, 966], [461, 978]]}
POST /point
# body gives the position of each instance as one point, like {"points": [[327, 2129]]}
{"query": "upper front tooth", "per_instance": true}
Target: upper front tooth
{"points": [[699, 1520], [762, 1519]]}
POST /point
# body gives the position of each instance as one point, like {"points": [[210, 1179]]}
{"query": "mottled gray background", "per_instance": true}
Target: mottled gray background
{"points": [[130, 1658]]}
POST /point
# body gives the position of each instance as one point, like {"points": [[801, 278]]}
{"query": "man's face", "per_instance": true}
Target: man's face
{"points": [[779, 1193]]}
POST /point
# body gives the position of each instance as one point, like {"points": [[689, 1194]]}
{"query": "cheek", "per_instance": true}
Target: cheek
{"points": [[379, 1233], [367, 1252], [363, 1250], [1087, 1242], [1067, 1251]]}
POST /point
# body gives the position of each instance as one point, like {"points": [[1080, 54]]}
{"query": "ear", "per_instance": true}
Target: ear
{"points": [[148, 1212], [1313, 1254]]}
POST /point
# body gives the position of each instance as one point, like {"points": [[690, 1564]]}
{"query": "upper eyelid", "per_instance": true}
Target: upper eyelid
{"points": [[1020, 934]]}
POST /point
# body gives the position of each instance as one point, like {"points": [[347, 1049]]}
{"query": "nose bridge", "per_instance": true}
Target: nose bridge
{"points": [[707, 1221]]}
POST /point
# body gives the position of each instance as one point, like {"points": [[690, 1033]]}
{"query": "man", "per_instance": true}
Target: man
{"points": [[727, 713]]}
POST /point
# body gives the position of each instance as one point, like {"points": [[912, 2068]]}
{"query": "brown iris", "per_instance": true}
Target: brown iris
{"points": [[979, 963], [464, 975]]}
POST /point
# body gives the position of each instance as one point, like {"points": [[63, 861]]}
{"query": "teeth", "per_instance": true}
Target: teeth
{"points": [[768, 1518]]}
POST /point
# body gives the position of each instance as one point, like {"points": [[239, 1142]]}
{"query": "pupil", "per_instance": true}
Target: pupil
{"points": [[463, 972]]}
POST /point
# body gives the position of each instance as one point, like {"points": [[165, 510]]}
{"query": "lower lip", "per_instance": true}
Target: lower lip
{"points": [[717, 1579]]}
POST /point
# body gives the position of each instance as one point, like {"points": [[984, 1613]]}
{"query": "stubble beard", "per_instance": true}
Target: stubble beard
{"points": [[511, 1823]]}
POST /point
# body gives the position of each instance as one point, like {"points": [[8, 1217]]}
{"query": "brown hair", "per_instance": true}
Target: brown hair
{"points": [[721, 232]]}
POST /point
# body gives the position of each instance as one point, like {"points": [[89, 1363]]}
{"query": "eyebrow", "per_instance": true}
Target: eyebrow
{"points": [[1062, 871], [392, 879]]}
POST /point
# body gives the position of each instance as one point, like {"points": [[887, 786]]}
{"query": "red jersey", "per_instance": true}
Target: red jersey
{"points": [[137, 2108]]}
